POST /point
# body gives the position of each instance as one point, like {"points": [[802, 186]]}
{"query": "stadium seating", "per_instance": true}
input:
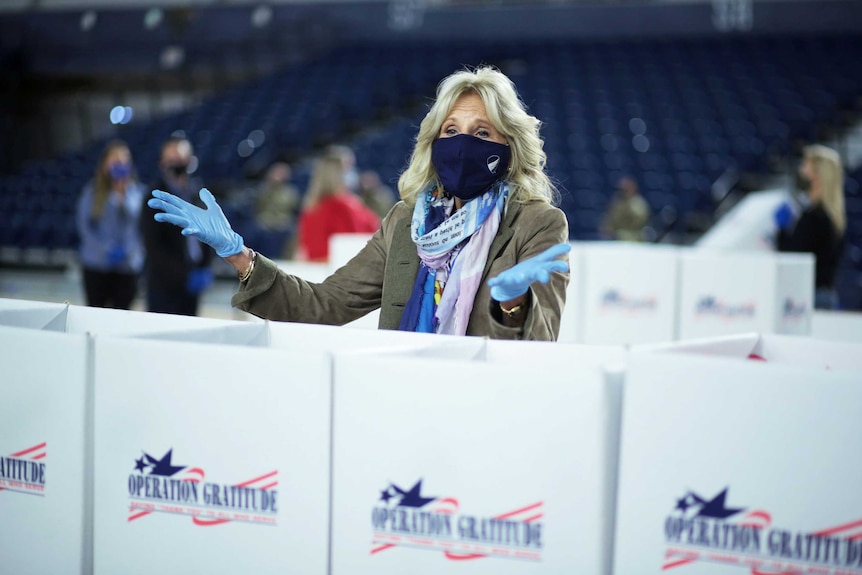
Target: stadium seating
{"points": [[675, 114]]}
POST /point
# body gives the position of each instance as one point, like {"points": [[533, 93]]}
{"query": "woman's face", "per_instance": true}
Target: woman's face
{"points": [[117, 156], [808, 176], [806, 169], [468, 116]]}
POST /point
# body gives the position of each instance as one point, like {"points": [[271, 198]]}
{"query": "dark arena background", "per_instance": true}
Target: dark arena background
{"points": [[700, 101], [400, 333]]}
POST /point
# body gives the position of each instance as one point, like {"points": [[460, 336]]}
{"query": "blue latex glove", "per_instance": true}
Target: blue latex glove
{"points": [[783, 216], [515, 281], [209, 225], [116, 255], [199, 279]]}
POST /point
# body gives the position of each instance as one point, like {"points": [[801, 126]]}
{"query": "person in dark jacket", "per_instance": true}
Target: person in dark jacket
{"points": [[820, 227], [177, 267]]}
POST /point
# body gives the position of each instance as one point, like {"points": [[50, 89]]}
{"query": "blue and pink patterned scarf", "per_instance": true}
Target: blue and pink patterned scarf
{"points": [[453, 248]]}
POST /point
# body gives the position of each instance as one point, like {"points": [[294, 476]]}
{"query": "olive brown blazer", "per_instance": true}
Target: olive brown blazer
{"points": [[383, 273]]}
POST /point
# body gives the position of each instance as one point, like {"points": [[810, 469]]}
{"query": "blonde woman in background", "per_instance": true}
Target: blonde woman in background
{"points": [[820, 228], [476, 203], [330, 208], [107, 219]]}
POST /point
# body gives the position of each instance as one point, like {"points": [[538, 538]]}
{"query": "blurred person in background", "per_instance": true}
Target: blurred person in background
{"points": [[177, 266], [108, 216], [820, 227], [476, 203], [275, 210], [348, 163], [628, 213], [330, 208], [374, 194]]}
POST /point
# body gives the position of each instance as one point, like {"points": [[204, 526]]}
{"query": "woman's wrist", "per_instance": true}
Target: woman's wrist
{"points": [[508, 306], [513, 312], [241, 261]]}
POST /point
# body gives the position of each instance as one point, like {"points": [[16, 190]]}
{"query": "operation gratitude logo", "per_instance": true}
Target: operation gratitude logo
{"points": [[159, 486], [701, 529], [24, 471], [710, 305], [406, 518], [793, 309], [613, 298]]}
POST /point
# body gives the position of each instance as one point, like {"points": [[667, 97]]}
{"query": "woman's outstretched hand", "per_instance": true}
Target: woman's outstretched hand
{"points": [[515, 281], [209, 226]]}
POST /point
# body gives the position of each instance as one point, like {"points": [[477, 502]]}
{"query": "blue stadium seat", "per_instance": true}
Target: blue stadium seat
{"points": [[675, 114]]}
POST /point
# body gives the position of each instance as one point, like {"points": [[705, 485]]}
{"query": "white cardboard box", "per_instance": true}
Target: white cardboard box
{"points": [[629, 293], [837, 325], [51, 317], [7, 304], [311, 337], [723, 293], [45, 524], [570, 321], [731, 467], [772, 348], [430, 449], [102, 321], [180, 428]]}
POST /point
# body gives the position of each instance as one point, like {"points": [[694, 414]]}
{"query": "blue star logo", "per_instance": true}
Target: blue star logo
{"points": [[715, 508], [162, 466], [408, 498]]}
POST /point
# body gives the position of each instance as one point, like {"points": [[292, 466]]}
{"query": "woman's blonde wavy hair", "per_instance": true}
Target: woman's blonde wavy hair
{"points": [[327, 178], [827, 165], [527, 178]]}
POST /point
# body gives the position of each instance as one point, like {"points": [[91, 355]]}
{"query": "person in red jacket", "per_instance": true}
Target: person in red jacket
{"points": [[330, 208]]}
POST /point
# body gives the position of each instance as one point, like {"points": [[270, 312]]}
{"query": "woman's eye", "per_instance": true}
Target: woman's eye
{"points": [[451, 131], [483, 134]]}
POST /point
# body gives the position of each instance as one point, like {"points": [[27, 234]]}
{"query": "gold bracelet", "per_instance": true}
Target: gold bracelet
{"points": [[511, 312], [243, 277]]}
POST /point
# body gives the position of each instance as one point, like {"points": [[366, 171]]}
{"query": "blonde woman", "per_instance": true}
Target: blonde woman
{"points": [[475, 204], [820, 228], [330, 208], [108, 215]]}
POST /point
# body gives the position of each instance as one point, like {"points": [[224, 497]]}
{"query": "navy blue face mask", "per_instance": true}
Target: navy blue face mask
{"points": [[468, 166], [119, 170]]}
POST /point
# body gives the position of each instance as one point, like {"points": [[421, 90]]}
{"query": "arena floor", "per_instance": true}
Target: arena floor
{"points": [[66, 286]]}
